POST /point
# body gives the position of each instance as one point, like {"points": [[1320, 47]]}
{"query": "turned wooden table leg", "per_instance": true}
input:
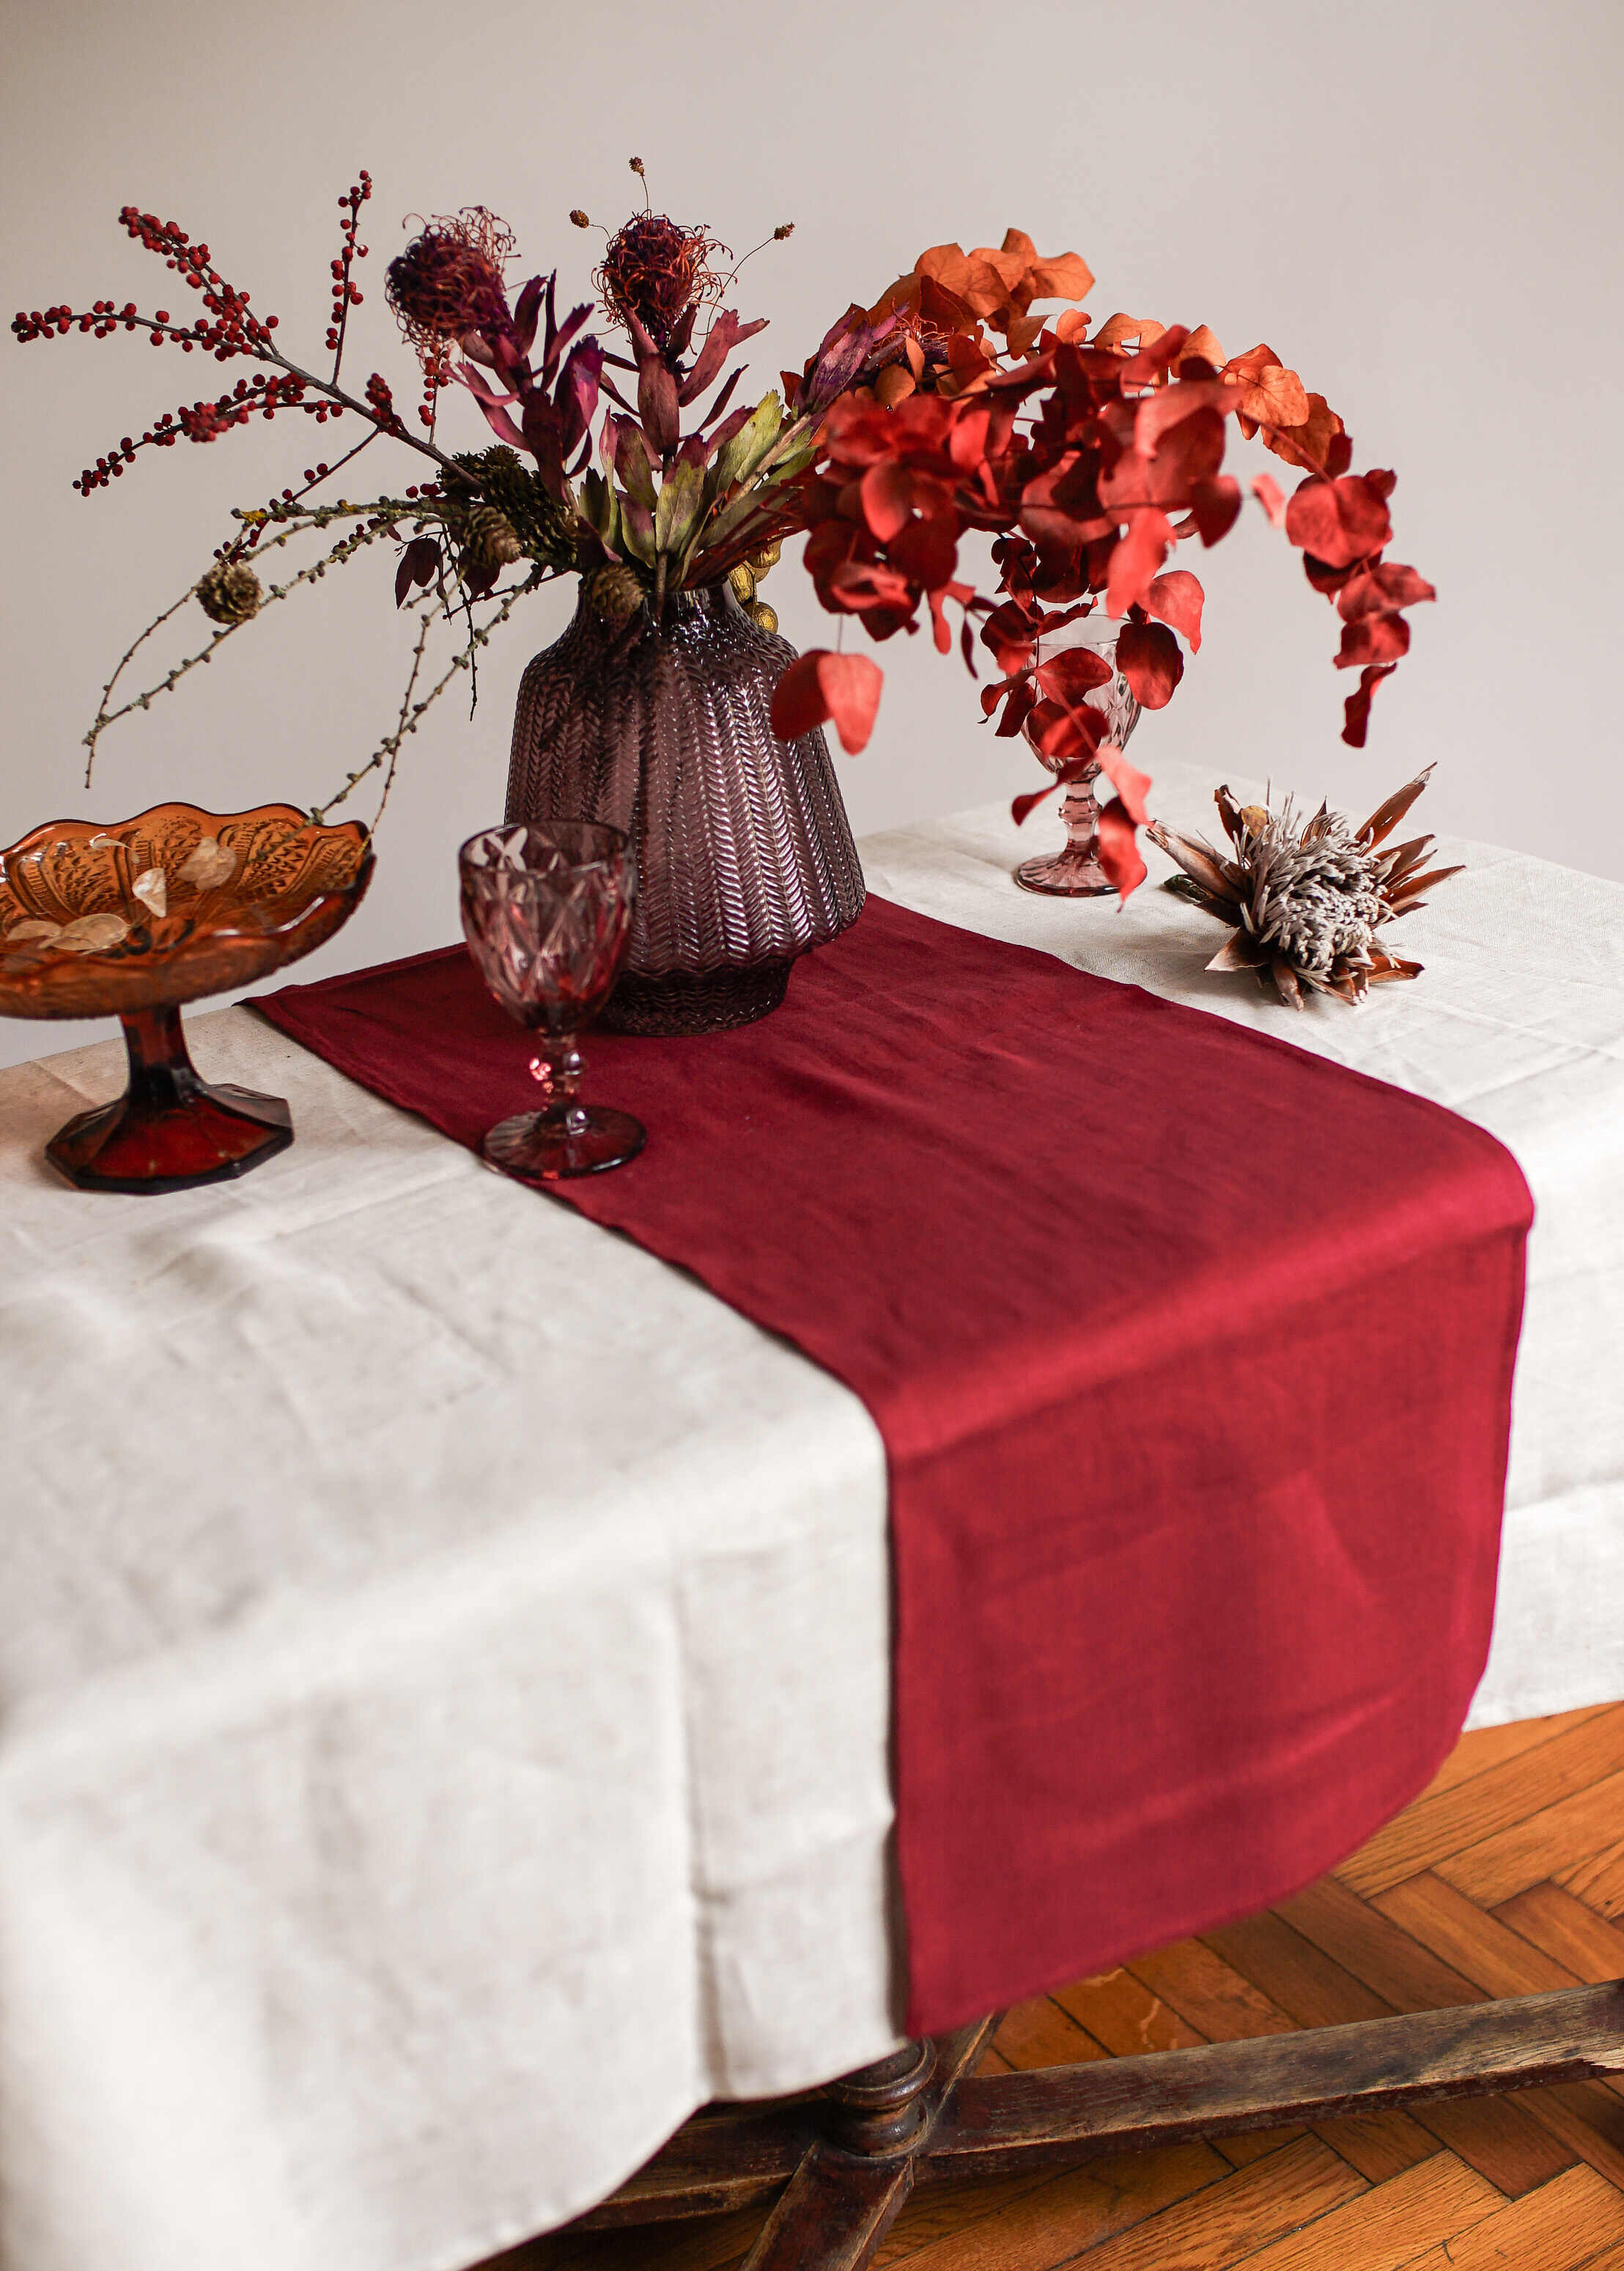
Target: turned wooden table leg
{"points": [[845, 2195]]}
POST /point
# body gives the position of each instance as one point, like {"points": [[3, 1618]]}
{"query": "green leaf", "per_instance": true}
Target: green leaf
{"points": [[599, 508], [738, 458], [637, 531], [681, 502], [632, 465]]}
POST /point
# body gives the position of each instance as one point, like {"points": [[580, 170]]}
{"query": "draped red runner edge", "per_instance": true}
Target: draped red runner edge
{"points": [[1192, 1357]]}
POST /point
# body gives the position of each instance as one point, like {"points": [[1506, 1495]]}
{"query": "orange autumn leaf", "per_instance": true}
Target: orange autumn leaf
{"points": [[1203, 341], [1269, 395], [1310, 443], [1115, 331], [998, 284]]}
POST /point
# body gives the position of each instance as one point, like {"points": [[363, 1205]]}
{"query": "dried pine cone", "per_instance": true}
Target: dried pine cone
{"points": [[499, 477], [488, 544], [1307, 898], [615, 594], [231, 593]]}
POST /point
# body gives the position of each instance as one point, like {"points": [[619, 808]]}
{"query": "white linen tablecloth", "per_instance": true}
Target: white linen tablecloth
{"points": [[443, 1652]]}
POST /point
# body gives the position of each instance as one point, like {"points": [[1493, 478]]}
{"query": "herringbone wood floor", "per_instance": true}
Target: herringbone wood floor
{"points": [[1506, 1876]]}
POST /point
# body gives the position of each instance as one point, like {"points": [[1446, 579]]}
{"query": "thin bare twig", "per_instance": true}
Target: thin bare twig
{"points": [[388, 749], [381, 523]]}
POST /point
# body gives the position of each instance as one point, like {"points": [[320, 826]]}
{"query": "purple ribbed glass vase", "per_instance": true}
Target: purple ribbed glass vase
{"points": [[745, 856]]}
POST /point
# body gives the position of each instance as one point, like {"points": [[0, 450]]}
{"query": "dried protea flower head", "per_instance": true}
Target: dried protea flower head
{"points": [[449, 280], [655, 269], [1306, 897]]}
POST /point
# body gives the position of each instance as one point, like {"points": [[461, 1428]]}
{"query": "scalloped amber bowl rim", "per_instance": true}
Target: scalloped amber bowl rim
{"points": [[342, 903], [73, 831]]}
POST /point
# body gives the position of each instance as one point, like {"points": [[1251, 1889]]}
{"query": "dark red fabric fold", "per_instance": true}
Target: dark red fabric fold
{"points": [[1192, 1356]]}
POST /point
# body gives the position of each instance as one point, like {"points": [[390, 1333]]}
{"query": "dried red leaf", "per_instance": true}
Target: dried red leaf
{"points": [[888, 494], [657, 405], [1074, 672], [1177, 597], [1375, 589], [1356, 709], [1066, 733], [1128, 784], [1373, 639], [1118, 848], [1327, 580], [419, 564], [1148, 656], [1215, 506], [820, 686], [964, 593], [1271, 497], [1339, 521], [1135, 558], [1171, 407], [1021, 700]]}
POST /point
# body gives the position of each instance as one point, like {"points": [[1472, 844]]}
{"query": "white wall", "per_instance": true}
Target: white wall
{"points": [[1418, 205]]}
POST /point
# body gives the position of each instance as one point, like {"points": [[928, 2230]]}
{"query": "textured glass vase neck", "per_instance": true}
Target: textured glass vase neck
{"points": [[745, 858]]}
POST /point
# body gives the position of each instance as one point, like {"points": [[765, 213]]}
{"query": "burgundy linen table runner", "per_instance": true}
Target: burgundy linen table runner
{"points": [[1192, 1357]]}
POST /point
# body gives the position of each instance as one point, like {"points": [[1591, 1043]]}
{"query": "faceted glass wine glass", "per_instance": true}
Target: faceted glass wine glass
{"points": [[548, 912], [1075, 871]]}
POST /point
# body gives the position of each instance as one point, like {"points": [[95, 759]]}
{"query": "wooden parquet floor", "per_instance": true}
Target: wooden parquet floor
{"points": [[1506, 1876]]}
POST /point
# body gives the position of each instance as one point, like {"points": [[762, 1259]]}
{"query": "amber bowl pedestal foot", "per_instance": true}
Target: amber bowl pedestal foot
{"points": [[170, 1130]]}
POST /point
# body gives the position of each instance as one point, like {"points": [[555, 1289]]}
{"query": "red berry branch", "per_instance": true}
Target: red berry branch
{"points": [[226, 328], [345, 294]]}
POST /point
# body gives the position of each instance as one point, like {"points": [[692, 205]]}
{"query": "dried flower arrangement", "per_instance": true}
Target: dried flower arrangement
{"points": [[1307, 898], [946, 407]]}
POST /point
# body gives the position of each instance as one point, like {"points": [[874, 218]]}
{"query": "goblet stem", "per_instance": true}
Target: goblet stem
{"points": [[1075, 872], [566, 1137], [557, 1067]]}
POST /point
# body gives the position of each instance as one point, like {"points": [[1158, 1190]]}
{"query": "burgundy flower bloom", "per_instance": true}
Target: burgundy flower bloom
{"points": [[655, 270], [449, 282]]}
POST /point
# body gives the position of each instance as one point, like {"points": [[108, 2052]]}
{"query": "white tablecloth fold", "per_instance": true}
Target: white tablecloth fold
{"points": [[443, 1661]]}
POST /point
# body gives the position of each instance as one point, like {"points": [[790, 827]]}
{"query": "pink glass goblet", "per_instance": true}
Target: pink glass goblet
{"points": [[1074, 872], [547, 910]]}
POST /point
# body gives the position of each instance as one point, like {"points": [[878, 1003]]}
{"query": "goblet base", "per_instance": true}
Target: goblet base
{"points": [[544, 1147], [203, 1134], [1064, 875]]}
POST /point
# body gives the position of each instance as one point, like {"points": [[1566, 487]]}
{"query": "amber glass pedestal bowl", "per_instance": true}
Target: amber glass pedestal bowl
{"points": [[132, 920]]}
